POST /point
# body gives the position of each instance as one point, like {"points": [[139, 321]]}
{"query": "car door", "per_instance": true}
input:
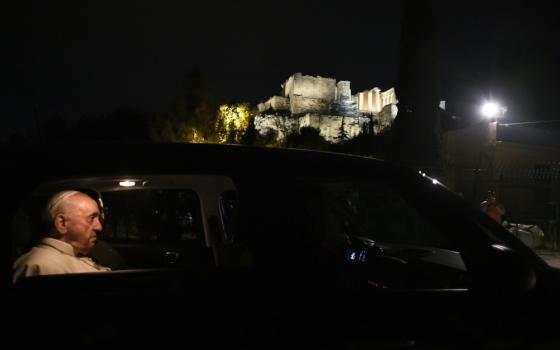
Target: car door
{"points": [[153, 300], [408, 272], [360, 253]]}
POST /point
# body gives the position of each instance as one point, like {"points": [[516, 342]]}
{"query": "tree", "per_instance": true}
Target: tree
{"points": [[251, 134], [161, 129], [307, 138], [194, 114], [232, 122], [342, 134], [377, 146]]}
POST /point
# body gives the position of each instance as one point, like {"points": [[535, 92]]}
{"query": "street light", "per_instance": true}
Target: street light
{"points": [[493, 110]]}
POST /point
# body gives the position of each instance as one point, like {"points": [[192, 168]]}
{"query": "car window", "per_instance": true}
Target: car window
{"points": [[376, 211], [358, 233], [156, 224], [155, 228], [152, 215]]}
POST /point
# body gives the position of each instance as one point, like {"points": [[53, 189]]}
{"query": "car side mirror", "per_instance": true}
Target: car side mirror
{"points": [[506, 273]]}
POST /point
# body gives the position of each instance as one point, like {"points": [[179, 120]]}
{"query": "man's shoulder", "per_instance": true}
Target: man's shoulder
{"points": [[39, 255], [39, 261], [41, 250]]}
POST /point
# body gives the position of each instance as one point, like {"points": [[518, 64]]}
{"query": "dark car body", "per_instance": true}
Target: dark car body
{"points": [[251, 247]]}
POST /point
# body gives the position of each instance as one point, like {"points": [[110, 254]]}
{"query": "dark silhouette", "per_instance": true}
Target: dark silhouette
{"points": [[417, 127], [308, 138]]}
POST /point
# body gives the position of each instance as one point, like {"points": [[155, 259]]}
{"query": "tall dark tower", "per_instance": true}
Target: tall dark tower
{"points": [[417, 127]]}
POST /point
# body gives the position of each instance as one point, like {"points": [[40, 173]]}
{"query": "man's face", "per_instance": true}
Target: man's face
{"points": [[81, 223]]}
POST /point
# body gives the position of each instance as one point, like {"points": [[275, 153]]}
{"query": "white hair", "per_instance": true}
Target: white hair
{"points": [[53, 207]]}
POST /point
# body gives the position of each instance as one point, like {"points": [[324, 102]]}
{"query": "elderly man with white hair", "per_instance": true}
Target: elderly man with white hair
{"points": [[72, 221]]}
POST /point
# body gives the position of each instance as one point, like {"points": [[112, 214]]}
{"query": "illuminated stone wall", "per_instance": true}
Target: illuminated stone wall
{"points": [[343, 92], [311, 87], [289, 86], [276, 103], [300, 104], [279, 103]]}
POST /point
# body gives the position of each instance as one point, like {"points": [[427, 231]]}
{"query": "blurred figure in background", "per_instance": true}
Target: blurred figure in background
{"points": [[492, 207]]}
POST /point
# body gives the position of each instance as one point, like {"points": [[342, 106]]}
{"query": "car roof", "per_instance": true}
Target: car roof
{"points": [[121, 159]]}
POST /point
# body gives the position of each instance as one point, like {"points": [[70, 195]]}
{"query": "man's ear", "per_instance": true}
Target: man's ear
{"points": [[60, 224]]}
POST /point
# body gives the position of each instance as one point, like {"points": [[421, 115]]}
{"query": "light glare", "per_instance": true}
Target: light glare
{"points": [[490, 109]]}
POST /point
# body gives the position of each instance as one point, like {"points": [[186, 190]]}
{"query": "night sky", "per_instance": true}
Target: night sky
{"points": [[80, 57]]}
